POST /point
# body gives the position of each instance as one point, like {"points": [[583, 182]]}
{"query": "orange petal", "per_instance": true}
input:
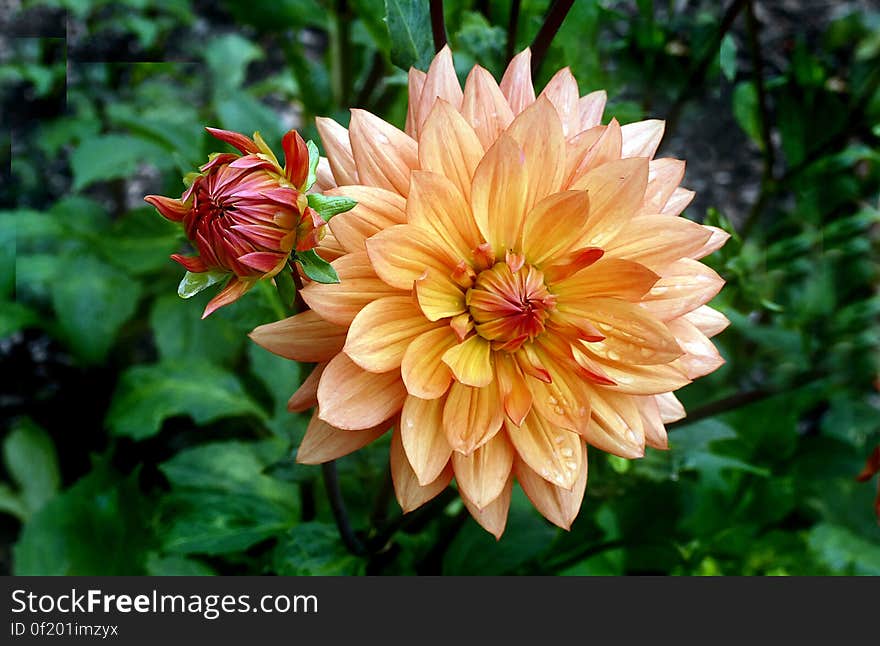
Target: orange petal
{"points": [[422, 368], [670, 408], [234, 289], [717, 239], [421, 430], [380, 334], [324, 178], [658, 240], [631, 334], [655, 432], [516, 84], [664, 176], [304, 337], [641, 139], [376, 210], [409, 492], [306, 395], [515, 393], [563, 402], [639, 380], [684, 286], [551, 226], [441, 82], [562, 91], [553, 453], [383, 154], [607, 277], [358, 285], [352, 399], [323, 442], [616, 193], [485, 107], [586, 151], [437, 207], [557, 504], [401, 254], [471, 416], [678, 201], [483, 474], [590, 109], [449, 146], [616, 425], [338, 148], [492, 517], [471, 362], [707, 320], [416, 82], [701, 356]]}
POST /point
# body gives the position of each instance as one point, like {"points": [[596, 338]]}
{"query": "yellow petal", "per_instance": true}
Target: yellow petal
{"points": [[440, 83], [607, 277], [641, 139], [551, 226], [421, 430], [306, 395], [471, 362], [351, 398], [380, 334], [492, 517], [376, 210], [516, 84], [658, 240], [384, 155], [416, 82], [322, 442], [338, 148], [484, 106], [304, 337], [471, 416], [358, 285], [482, 475], [590, 109], [701, 356], [563, 402], [437, 207], [439, 297], [401, 254], [562, 91], [422, 369], [684, 286], [449, 146], [616, 423], [410, 494], [557, 504], [616, 193], [553, 453]]}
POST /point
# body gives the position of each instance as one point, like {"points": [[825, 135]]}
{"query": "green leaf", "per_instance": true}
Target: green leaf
{"points": [[242, 112], [100, 526], [147, 395], [329, 205], [11, 503], [281, 378], [409, 24], [727, 57], [316, 267], [746, 111], [114, 156], [192, 283], [139, 242], [92, 301], [15, 317], [315, 549], [32, 462], [181, 333], [844, 552], [228, 57], [314, 158], [176, 566]]}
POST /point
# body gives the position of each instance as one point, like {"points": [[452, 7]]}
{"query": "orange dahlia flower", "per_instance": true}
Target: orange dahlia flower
{"points": [[244, 214], [515, 284]]}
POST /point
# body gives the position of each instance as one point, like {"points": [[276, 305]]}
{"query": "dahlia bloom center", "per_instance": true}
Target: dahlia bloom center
{"points": [[509, 307]]}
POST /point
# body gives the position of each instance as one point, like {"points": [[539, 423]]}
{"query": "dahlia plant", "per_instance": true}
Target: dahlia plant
{"points": [[515, 284]]}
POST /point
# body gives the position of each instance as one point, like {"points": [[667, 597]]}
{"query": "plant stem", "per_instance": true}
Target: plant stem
{"points": [[371, 83], [758, 72], [340, 52], [592, 550], [331, 484], [552, 22], [438, 24], [512, 28]]}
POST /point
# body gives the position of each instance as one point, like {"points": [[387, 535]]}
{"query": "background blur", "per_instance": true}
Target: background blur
{"points": [[138, 439]]}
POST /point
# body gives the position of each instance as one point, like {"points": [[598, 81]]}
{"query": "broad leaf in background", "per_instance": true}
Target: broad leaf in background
{"points": [[181, 334], [409, 23], [315, 549], [147, 395], [30, 458], [114, 156]]}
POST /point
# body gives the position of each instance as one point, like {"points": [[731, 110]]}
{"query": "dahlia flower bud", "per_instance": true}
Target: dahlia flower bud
{"points": [[245, 214]]}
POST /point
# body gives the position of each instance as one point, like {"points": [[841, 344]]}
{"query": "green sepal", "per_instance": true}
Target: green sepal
{"points": [[193, 283], [329, 205], [316, 267], [314, 157]]}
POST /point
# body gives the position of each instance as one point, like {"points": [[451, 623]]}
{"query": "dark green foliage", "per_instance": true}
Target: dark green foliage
{"points": [[140, 439]]}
